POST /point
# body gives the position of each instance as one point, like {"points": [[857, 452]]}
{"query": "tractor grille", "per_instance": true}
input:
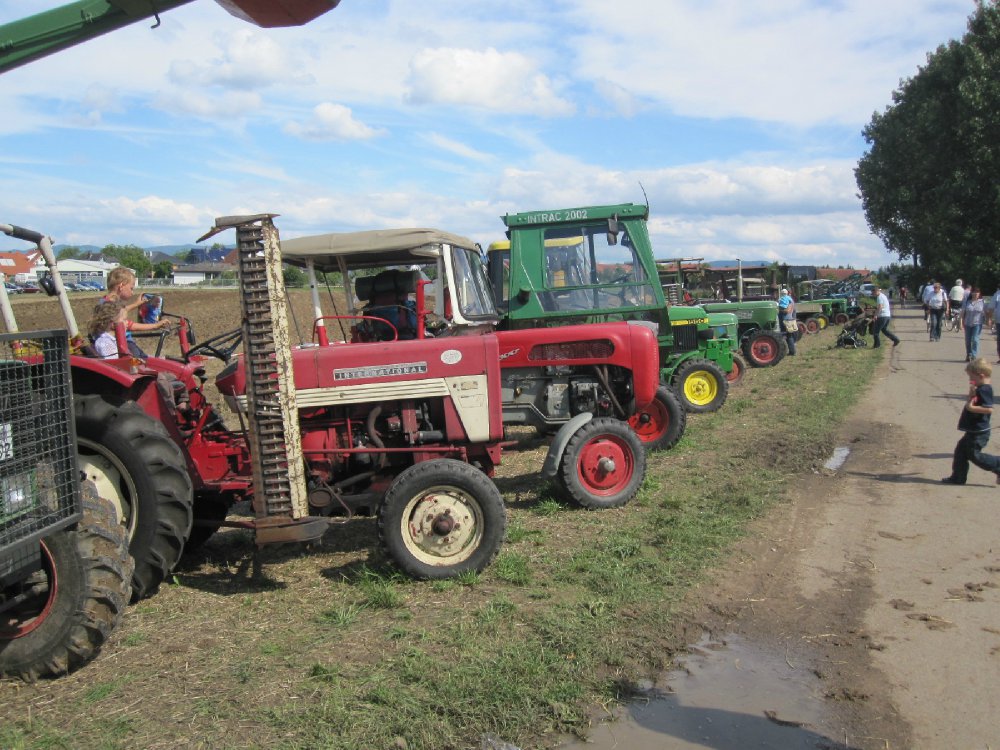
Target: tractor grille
{"points": [[39, 484], [685, 338]]}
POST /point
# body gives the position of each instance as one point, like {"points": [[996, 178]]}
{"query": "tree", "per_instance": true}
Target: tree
{"points": [[163, 270], [293, 276], [928, 181], [70, 252], [130, 256]]}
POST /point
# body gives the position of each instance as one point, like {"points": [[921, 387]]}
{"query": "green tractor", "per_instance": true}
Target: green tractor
{"points": [[595, 264]]}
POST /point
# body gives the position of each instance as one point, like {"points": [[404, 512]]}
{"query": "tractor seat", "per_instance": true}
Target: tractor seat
{"points": [[386, 296]]}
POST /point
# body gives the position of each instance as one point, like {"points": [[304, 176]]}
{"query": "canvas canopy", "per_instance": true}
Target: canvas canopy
{"points": [[378, 247]]}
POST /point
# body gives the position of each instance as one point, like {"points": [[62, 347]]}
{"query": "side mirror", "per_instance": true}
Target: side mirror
{"points": [[523, 295], [48, 285]]}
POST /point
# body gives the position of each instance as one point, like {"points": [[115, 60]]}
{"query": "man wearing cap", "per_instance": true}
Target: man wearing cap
{"points": [[786, 312]]}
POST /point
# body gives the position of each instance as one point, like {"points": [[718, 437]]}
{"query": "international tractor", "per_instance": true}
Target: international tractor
{"points": [[590, 264], [408, 430], [549, 377]]}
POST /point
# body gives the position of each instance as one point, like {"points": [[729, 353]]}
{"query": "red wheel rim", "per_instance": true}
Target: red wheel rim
{"points": [[10, 630], [605, 465], [733, 375], [650, 423], [812, 326], [763, 349]]}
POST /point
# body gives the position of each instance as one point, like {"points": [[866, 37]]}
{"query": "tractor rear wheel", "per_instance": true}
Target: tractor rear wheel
{"points": [[138, 467], [701, 384], [441, 518], [823, 321], [69, 607], [603, 465], [739, 371], [841, 318], [765, 348], [661, 424]]}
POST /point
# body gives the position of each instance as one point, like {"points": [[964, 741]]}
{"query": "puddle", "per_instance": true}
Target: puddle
{"points": [[730, 695], [837, 459]]}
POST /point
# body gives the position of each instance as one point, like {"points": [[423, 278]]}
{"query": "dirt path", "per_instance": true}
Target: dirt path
{"points": [[884, 579]]}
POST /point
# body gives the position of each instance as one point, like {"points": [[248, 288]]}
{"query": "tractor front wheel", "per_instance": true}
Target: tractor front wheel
{"points": [[66, 610], [441, 518], [138, 467], [661, 424], [739, 371], [701, 385], [841, 318], [765, 348], [811, 325], [603, 465]]}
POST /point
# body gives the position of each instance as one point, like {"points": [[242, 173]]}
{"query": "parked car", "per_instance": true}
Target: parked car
{"points": [[29, 287], [12, 288]]}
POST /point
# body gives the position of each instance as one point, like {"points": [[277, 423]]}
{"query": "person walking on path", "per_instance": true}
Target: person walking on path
{"points": [[786, 318], [993, 315], [975, 424], [883, 314], [937, 307], [902, 297], [971, 321]]}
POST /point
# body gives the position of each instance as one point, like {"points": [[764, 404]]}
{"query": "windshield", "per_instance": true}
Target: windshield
{"points": [[475, 296], [583, 271]]}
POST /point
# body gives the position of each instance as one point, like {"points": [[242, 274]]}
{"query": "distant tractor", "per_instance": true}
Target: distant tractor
{"points": [[594, 264]]}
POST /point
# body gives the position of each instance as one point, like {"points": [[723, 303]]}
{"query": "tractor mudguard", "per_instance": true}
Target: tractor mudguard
{"points": [[560, 441]]}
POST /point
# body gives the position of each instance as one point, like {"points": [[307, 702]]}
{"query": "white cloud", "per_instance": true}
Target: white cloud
{"points": [[502, 81], [247, 59], [454, 147], [331, 122]]}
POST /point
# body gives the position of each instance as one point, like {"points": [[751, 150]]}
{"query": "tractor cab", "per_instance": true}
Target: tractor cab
{"points": [[398, 284]]}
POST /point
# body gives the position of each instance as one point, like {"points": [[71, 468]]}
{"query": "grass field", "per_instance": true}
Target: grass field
{"points": [[330, 647]]}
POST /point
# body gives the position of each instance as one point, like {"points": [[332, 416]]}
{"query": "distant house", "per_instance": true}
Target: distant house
{"points": [[196, 273], [85, 270], [22, 267], [839, 274]]}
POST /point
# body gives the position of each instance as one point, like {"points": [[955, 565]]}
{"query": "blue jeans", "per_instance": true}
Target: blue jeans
{"points": [[882, 326], [970, 450], [972, 340], [936, 315]]}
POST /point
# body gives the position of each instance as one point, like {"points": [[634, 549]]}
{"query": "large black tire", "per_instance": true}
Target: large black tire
{"points": [[441, 518], [603, 465], [138, 467], [661, 424], [74, 602], [701, 385], [764, 348]]}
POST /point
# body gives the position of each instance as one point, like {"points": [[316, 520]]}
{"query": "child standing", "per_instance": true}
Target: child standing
{"points": [[102, 328], [975, 423]]}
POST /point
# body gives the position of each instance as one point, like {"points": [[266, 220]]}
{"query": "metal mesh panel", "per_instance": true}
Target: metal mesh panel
{"points": [[39, 485]]}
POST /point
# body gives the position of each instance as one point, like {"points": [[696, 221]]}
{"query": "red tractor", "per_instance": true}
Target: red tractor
{"points": [[409, 430]]}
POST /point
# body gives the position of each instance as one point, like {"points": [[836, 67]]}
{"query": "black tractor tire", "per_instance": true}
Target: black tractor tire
{"points": [[74, 602], [701, 385], [739, 371], [209, 514], [841, 318], [141, 470], [661, 424], [809, 325], [603, 465], [441, 518], [764, 348]]}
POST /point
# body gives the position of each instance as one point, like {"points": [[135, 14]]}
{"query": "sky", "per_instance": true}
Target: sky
{"points": [[740, 123]]}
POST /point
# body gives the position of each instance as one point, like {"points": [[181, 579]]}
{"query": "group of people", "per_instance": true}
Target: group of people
{"points": [[972, 310], [973, 313], [114, 308]]}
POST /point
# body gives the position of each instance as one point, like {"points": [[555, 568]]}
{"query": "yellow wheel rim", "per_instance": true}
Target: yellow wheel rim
{"points": [[700, 388]]}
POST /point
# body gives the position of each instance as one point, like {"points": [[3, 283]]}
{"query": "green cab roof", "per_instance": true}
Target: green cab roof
{"points": [[582, 213]]}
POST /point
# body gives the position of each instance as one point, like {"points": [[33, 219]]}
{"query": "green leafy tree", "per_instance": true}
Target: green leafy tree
{"points": [[70, 252], [131, 256], [293, 276], [163, 270], [929, 182]]}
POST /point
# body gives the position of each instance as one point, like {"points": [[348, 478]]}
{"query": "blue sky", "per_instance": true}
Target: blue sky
{"points": [[741, 120]]}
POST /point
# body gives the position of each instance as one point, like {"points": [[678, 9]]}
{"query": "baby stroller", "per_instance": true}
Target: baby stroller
{"points": [[854, 332]]}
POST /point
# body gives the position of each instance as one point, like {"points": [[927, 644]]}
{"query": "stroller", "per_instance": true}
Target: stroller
{"points": [[855, 330]]}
